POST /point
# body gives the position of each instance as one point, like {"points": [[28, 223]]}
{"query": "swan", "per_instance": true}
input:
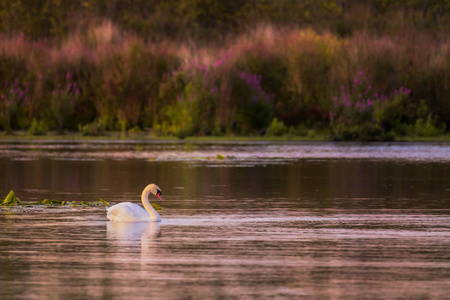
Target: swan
{"points": [[130, 212]]}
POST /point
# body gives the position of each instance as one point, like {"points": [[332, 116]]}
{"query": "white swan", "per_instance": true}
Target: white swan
{"points": [[129, 212]]}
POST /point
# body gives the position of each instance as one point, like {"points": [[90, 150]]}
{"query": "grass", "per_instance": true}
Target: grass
{"points": [[320, 136], [441, 138], [116, 135]]}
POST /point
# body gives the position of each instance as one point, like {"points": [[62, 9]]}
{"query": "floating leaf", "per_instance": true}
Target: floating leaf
{"points": [[97, 203], [51, 202], [156, 206], [100, 199], [219, 156], [11, 199]]}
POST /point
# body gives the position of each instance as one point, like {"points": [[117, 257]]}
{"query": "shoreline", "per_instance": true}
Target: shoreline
{"points": [[117, 136]]}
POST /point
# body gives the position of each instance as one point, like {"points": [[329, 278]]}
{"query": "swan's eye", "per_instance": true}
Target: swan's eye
{"points": [[158, 192]]}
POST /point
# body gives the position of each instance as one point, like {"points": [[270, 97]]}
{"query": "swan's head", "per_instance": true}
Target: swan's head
{"points": [[155, 190]]}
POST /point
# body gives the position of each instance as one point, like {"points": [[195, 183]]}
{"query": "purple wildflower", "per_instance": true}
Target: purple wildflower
{"points": [[218, 63], [254, 82]]}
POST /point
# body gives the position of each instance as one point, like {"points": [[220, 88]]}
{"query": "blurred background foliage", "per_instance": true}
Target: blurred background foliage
{"points": [[202, 20], [206, 67]]}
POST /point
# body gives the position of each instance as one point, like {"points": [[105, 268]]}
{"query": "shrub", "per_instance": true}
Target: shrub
{"points": [[37, 127], [181, 123], [365, 113], [12, 95], [311, 133], [63, 100], [426, 124], [191, 96], [276, 128], [394, 111], [426, 127], [253, 105], [92, 129]]}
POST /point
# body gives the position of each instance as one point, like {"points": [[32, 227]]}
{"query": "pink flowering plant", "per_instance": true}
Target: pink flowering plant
{"points": [[363, 112], [63, 98], [12, 95]]}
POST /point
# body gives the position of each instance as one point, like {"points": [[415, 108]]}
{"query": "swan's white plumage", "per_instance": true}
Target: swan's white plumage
{"points": [[127, 212], [130, 212]]}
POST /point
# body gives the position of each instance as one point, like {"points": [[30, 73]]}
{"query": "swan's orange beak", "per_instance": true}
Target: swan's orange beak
{"points": [[159, 196]]}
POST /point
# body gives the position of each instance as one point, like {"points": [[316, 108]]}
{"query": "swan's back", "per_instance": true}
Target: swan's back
{"points": [[127, 212]]}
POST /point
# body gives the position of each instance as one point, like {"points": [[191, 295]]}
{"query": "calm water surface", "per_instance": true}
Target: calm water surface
{"points": [[270, 221]]}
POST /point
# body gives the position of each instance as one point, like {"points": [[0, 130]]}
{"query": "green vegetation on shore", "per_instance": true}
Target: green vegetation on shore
{"points": [[95, 72], [318, 136]]}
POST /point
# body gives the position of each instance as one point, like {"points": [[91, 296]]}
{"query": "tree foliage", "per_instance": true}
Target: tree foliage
{"points": [[203, 20]]}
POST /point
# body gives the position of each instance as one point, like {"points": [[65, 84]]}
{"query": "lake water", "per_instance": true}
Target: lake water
{"points": [[268, 221]]}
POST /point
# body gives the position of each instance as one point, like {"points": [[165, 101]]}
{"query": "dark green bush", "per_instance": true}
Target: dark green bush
{"points": [[92, 129], [38, 127], [277, 128]]}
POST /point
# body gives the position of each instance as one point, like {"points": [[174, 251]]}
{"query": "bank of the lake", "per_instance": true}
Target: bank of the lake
{"points": [[320, 136]]}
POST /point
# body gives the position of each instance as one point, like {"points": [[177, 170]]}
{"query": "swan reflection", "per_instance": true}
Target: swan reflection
{"points": [[137, 241], [132, 231]]}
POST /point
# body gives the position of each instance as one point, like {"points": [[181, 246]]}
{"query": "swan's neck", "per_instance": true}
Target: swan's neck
{"points": [[154, 216]]}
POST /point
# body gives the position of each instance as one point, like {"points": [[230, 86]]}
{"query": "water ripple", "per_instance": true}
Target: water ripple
{"points": [[236, 154]]}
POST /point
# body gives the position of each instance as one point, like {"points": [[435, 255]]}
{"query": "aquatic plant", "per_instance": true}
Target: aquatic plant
{"points": [[11, 199]]}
